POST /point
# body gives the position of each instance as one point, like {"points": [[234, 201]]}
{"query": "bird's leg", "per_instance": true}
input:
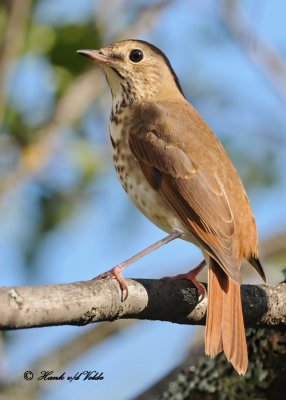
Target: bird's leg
{"points": [[192, 276], [116, 272]]}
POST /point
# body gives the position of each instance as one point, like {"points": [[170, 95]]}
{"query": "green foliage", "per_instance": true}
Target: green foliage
{"points": [[251, 165], [3, 20], [22, 133], [69, 39], [57, 45]]}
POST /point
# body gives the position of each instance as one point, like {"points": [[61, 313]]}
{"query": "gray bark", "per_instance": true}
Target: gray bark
{"points": [[81, 303]]}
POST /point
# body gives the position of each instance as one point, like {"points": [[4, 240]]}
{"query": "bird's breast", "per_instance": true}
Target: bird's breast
{"points": [[146, 199]]}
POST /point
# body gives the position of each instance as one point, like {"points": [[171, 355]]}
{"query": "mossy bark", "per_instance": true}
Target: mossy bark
{"points": [[216, 379]]}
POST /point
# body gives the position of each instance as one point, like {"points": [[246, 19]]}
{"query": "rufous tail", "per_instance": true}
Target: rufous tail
{"points": [[225, 327]]}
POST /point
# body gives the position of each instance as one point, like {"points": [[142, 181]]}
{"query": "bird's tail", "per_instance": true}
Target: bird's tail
{"points": [[225, 327]]}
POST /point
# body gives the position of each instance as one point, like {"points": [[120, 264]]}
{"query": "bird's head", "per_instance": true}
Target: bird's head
{"points": [[136, 70]]}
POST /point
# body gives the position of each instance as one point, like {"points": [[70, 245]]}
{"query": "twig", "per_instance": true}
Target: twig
{"points": [[12, 43], [81, 303], [147, 17], [261, 51], [86, 88], [37, 154], [59, 359], [274, 246]]}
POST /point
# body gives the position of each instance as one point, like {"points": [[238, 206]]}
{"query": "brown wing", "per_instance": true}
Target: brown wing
{"points": [[196, 194]]}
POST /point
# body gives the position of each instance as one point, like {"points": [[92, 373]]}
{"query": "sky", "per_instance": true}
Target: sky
{"points": [[253, 118]]}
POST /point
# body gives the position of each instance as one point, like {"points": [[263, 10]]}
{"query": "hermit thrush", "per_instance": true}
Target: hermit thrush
{"points": [[178, 174]]}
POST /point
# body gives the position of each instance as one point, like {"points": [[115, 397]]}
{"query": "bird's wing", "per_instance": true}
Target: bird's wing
{"points": [[196, 194]]}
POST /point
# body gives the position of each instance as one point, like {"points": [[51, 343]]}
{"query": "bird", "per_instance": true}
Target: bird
{"points": [[178, 174]]}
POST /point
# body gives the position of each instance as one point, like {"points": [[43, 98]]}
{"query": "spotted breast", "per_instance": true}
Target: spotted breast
{"points": [[146, 199]]}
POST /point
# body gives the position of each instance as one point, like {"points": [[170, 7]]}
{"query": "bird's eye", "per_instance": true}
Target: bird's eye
{"points": [[136, 55]]}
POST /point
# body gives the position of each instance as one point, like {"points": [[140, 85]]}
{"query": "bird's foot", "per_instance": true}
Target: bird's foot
{"points": [[192, 276], [116, 273]]}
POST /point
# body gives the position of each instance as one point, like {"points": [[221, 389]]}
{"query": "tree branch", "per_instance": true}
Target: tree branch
{"points": [[206, 378], [81, 303], [13, 41], [259, 49], [71, 106]]}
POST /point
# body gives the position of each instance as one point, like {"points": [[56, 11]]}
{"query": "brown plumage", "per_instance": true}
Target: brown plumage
{"points": [[179, 175]]}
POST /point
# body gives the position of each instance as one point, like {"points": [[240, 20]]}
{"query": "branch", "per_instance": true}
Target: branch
{"points": [[82, 303], [274, 247], [85, 89], [259, 49], [206, 378], [60, 358], [37, 154], [13, 41]]}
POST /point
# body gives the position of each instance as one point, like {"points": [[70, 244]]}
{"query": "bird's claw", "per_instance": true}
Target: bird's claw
{"points": [[201, 290], [116, 273], [191, 276]]}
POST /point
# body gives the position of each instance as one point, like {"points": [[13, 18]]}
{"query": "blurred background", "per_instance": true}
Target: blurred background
{"points": [[64, 216]]}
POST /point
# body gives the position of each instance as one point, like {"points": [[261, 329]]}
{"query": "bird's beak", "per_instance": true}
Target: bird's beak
{"points": [[95, 55]]}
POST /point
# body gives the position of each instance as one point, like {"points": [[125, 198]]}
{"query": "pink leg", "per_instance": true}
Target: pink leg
{"points": [[192, 276], [116, 272]]}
